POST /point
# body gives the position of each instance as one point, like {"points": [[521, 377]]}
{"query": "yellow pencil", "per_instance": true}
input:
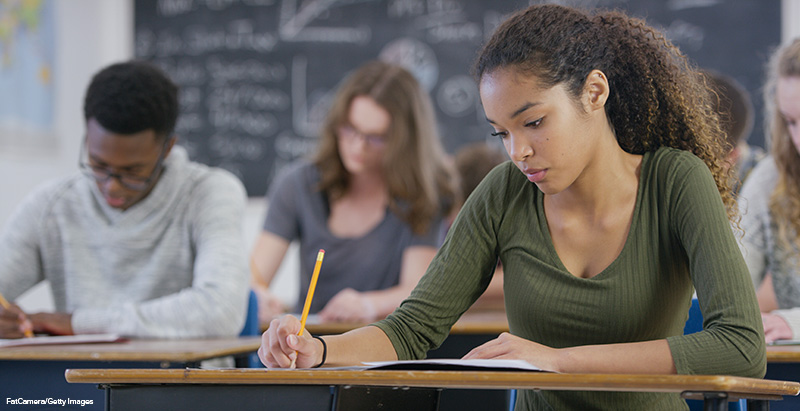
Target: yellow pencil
{"points": [[7, 306], [310, 294]]}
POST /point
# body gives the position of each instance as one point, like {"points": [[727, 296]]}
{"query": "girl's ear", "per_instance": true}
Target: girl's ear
{"points": [[595, 91]]}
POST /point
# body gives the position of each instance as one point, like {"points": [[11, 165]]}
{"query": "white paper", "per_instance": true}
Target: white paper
{"points": [[785, 342]]}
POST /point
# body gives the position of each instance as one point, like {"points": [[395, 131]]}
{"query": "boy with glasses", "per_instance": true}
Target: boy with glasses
{"points": [[142, 242]]}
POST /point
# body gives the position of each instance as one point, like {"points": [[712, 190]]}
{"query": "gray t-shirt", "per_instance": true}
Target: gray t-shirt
{"points": [[298, 210]]}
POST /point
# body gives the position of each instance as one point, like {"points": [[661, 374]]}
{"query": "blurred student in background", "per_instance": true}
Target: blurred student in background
{"points": [[770, 203], [142, 242], [735, 108], [374, 196]]}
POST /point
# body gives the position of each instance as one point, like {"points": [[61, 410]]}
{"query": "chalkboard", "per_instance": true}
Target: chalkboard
{"points": [[256, 76]]}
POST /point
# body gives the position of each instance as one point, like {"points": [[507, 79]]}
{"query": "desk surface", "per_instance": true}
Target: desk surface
{"points": [[783, 353], [735, 386], [472, 322], [137, 350]]}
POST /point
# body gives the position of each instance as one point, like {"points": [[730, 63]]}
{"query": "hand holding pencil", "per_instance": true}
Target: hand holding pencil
{"points": [[13, 321], [285, 344]]}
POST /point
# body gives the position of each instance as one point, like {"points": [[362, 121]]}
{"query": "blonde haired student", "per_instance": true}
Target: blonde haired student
{"points": [[612, 210], [374, 197], [770, 202]]}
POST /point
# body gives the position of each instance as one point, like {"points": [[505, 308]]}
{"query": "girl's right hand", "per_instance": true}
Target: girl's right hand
{"points": [[281, 347]]}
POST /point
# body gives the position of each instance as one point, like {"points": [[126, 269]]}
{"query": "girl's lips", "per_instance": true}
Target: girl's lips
{"points": [[535, 176]]}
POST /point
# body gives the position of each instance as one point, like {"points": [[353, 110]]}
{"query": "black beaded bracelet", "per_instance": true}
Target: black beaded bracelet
{"points": [[324, 351]]}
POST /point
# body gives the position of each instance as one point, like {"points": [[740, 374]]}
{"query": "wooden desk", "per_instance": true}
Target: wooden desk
{"points": [[34, 372], [162, 351], [188, 389], [783, 354], [783, 362]]}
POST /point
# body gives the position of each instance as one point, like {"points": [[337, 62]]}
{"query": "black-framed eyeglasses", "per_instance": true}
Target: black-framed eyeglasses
{"points": [[348, 132], [131, 182]]}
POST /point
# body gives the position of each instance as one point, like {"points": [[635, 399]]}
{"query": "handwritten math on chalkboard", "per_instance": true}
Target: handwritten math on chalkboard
{"points": [[257, 76]]}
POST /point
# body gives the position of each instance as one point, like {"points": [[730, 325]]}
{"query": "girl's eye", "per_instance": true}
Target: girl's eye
{"points": [[501, 134], [534, 123]]}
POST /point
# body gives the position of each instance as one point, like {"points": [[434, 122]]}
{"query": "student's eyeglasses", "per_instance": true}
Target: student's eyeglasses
{"points": [[131, 182], [349, 133]]}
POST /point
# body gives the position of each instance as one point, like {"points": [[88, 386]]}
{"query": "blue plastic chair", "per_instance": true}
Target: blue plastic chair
{"points": [[251, 328]]}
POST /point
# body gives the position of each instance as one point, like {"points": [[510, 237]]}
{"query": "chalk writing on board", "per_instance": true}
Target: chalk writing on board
{"points": [[458, 96], [415, 55], [676, 5], [257, 76], [295, 20]]}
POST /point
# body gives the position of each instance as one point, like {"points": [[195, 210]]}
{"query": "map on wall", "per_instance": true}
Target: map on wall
{"points": [[27, 56]]}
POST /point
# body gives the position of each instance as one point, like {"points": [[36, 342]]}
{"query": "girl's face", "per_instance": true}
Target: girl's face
{"points": [[788, 96], [545, 134], [361, 139]]}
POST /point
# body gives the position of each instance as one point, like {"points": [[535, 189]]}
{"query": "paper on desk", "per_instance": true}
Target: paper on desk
{"points": [[785, 342], [454, 365], [61, 339]]}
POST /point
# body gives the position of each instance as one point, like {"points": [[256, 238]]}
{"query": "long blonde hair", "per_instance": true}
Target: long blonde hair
{"points": [[421, 184], [785, 200]]}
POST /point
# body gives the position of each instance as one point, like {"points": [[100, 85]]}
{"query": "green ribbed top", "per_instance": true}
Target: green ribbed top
{"points": [[679, 237]]}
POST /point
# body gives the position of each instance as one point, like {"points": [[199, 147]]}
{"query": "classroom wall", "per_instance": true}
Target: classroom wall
{"points": [[90, 35], [791, 19]]}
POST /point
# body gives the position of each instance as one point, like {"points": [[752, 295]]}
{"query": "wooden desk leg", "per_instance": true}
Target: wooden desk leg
{"points": [[757, 405], [715, 401]]}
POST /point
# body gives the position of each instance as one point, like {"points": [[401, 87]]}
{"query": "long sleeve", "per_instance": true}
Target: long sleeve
{"points": [[215, 303], [679, 237], [732, 340], [755, 222], [20, 241], [457, 276]]}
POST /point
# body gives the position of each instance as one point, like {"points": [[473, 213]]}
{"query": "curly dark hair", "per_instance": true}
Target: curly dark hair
{"points": [[131, 97], [657, 98]]}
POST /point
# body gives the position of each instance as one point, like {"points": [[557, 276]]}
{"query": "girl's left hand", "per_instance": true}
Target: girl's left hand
{"points": [[510, 347]]}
